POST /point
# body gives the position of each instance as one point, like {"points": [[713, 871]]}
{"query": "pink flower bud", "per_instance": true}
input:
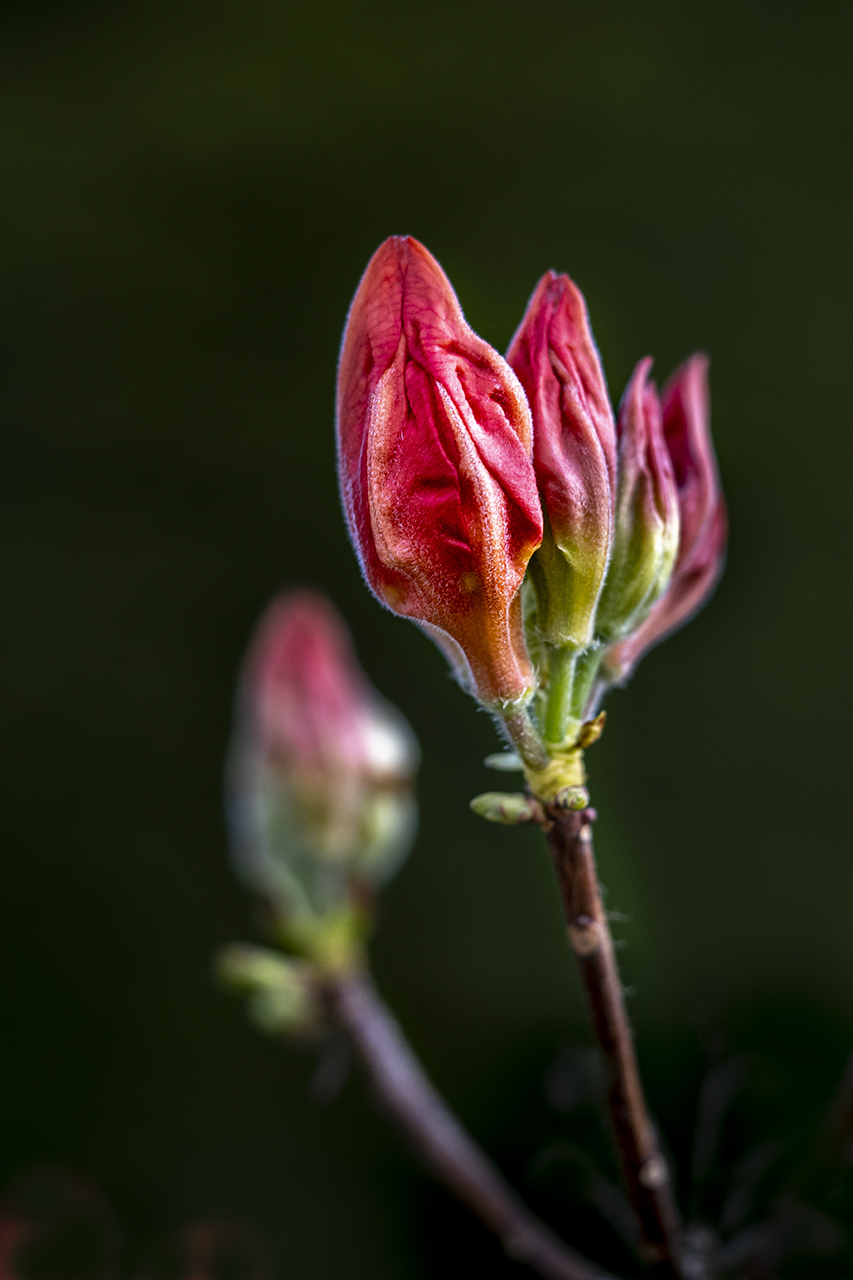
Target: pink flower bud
{"points": [[310, 704], [574, 451], [646, 532], [320, 766], [434, 443], [702, 541]]}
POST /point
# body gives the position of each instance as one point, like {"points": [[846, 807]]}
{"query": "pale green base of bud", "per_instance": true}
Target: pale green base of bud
{"points": [[639, 573], [567, 583]]}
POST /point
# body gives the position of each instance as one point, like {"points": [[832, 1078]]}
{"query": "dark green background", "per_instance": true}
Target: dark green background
{"points": [[189, 193]]}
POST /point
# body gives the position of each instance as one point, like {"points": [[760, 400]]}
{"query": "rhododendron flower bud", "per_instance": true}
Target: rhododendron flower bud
{"points": [[702, 541], [574, 451], [645, 538], [320, 769], [434, 444]]}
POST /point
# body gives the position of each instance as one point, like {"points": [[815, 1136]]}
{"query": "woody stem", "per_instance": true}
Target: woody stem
{"points": [[643, 1166], [439, 1137]]}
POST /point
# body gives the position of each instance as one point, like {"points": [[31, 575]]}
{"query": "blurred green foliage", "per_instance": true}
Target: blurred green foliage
{"points": [[190, 193]]}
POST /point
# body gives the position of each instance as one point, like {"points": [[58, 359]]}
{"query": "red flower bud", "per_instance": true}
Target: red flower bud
{"points": [[646, 535], [434, 442], [310, 705], [320, 764], [702, 542], [574, 451]]}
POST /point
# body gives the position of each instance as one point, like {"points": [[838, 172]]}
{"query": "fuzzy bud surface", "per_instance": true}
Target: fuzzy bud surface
{"points": [[434, 455], [574, 450], [646, 522], [701, 550]]}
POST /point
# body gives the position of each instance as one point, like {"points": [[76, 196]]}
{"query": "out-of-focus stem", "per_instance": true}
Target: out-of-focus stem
{"points": [[440, 1139], [644, 1168]]}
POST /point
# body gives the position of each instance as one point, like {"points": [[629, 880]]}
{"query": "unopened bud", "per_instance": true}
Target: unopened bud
{"points": [[434, 445], [646, 525], [703, 526], [320, 771], [574, 453]]}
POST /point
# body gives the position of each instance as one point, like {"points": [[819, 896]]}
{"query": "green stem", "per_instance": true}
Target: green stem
{"points": [[523, 736], [585, 674], [561, 675]]}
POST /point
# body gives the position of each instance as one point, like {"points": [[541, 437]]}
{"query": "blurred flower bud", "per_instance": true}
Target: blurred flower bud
{"points": [[574, 451], [319, 775], [703, 526], [434, 442], [280, 990], [646, 519]]}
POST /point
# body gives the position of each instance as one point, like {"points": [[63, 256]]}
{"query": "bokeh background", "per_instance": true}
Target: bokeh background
{"points": [[189, 194]]}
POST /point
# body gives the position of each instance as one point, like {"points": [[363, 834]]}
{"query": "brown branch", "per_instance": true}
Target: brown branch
{"points": [[644, 1168], [439, 1137]]}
